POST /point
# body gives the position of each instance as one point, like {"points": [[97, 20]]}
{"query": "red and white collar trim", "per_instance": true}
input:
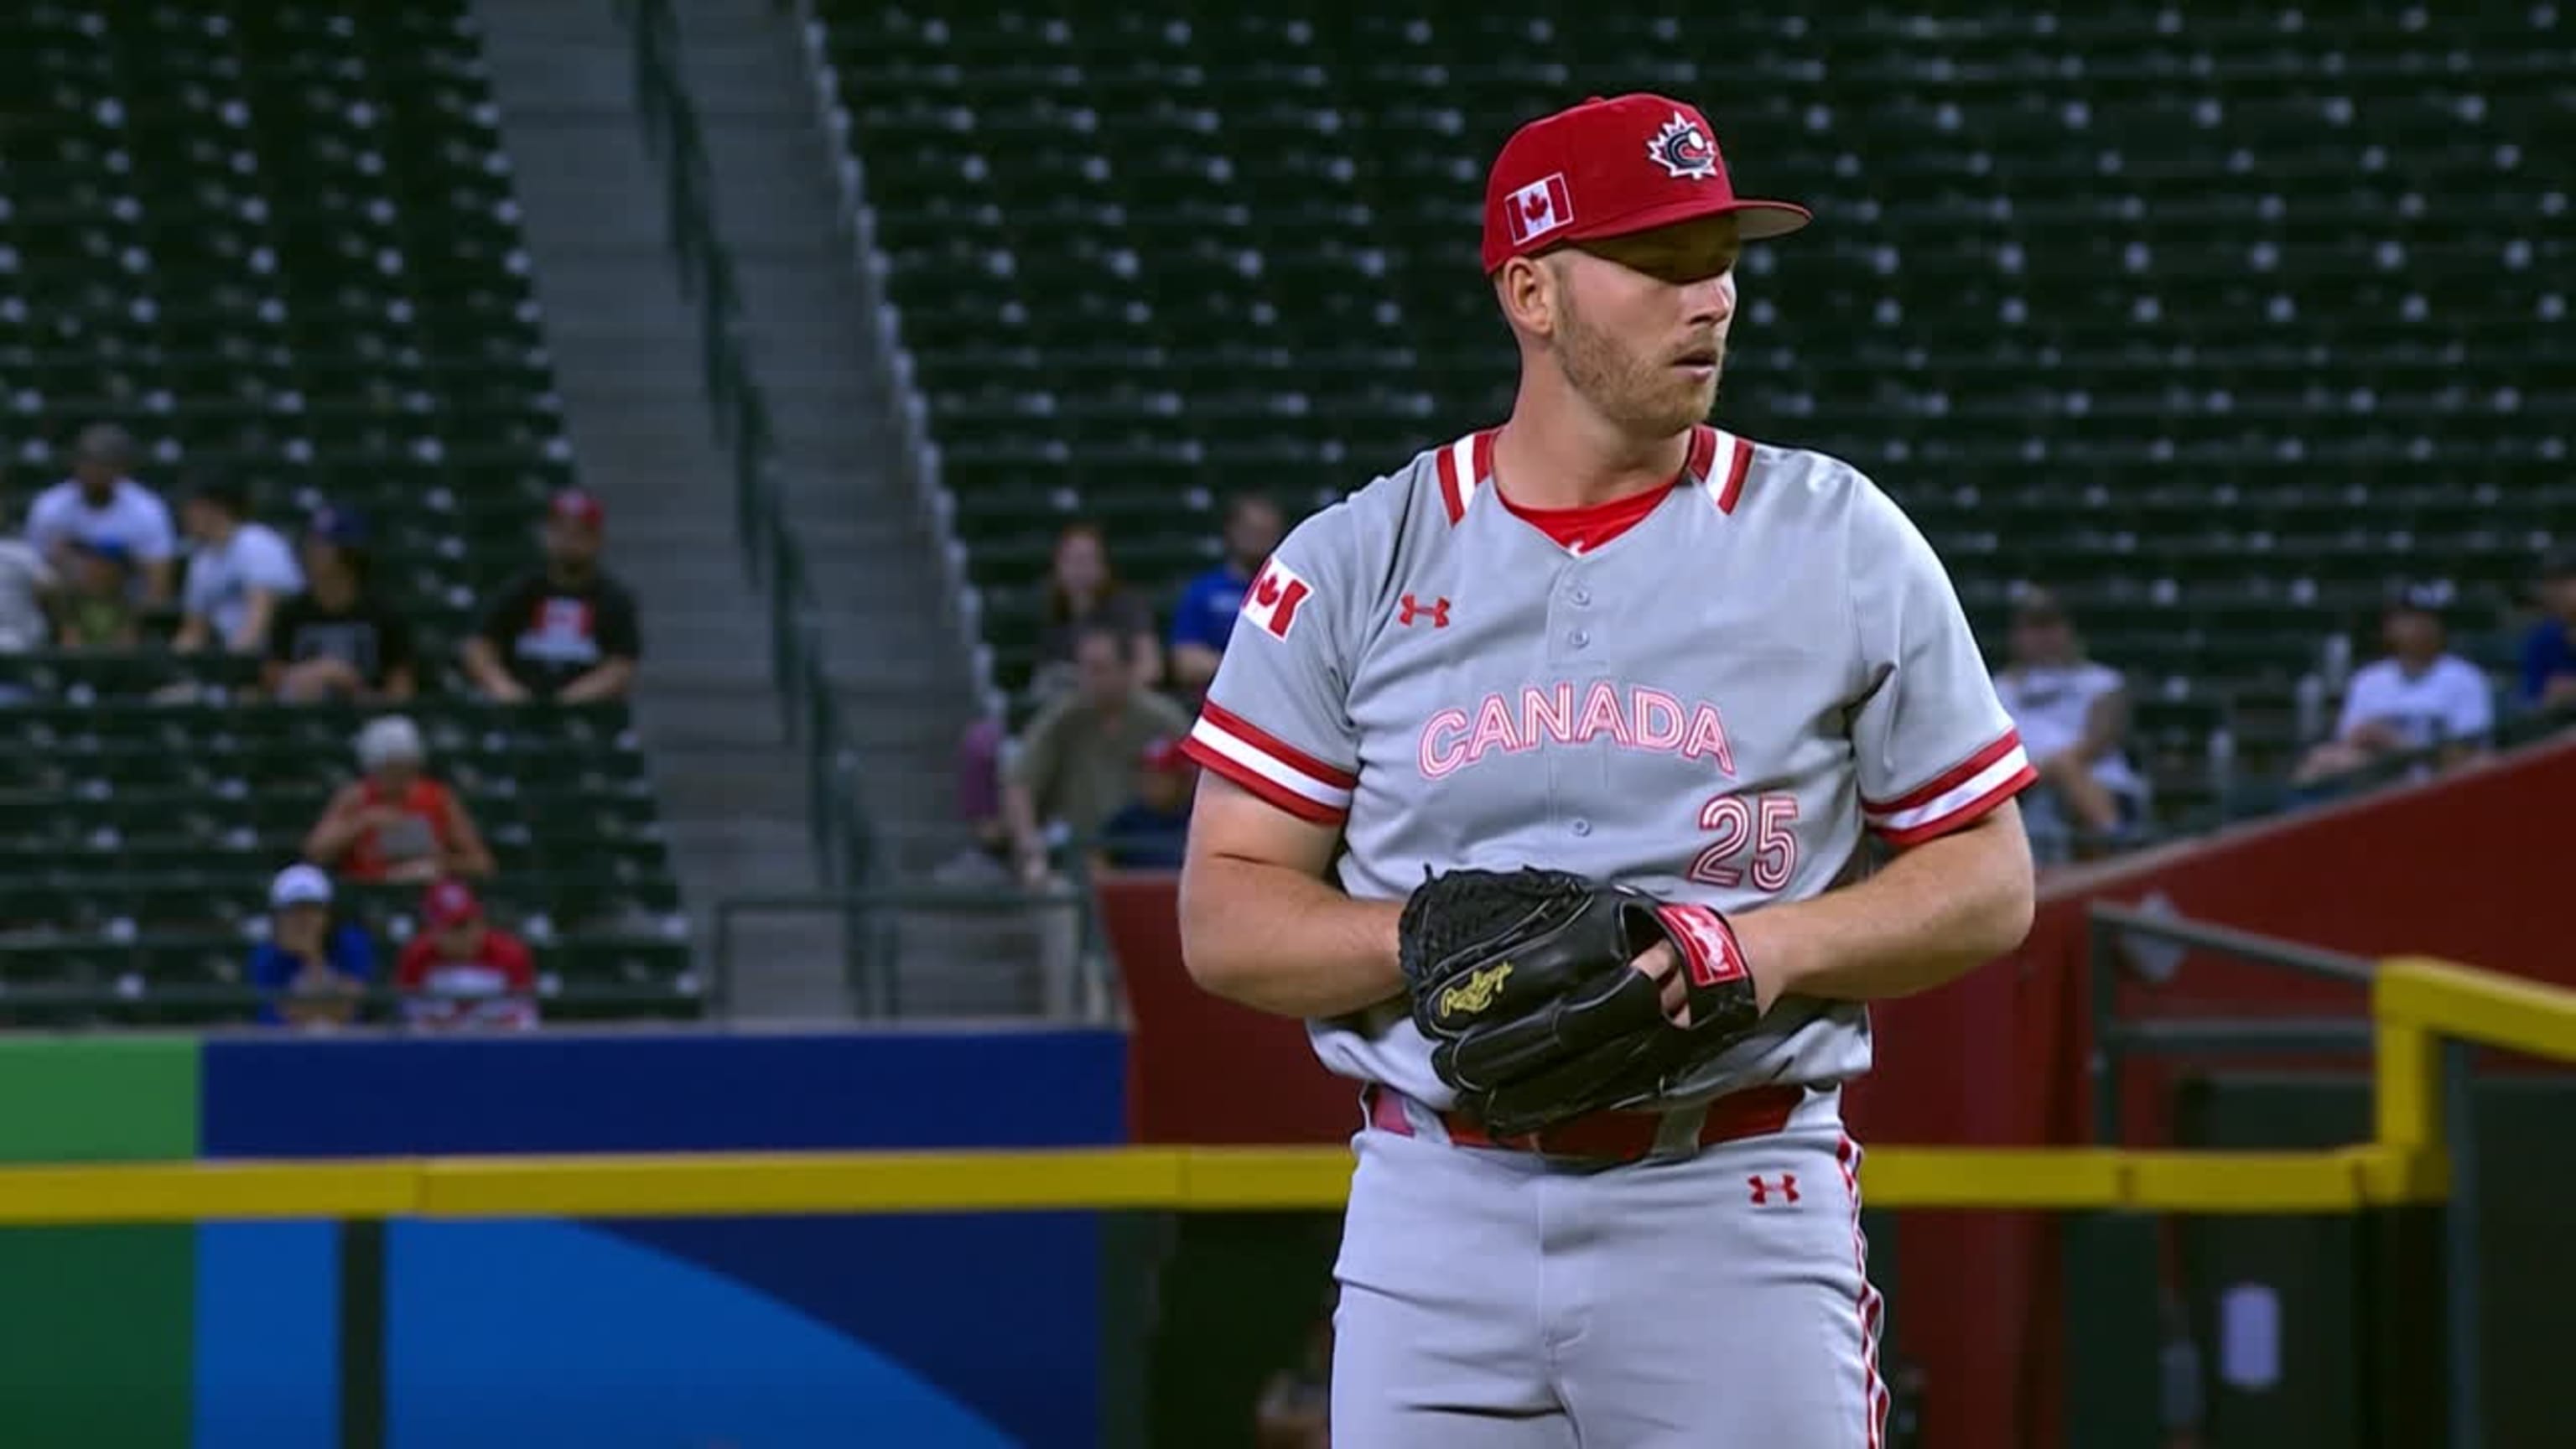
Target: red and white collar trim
{"points": [[1717, 462], [1465, 466]]}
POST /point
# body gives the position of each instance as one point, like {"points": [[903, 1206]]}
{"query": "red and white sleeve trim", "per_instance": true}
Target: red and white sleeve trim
{"points": [[1957, 796], [1270, 767]]}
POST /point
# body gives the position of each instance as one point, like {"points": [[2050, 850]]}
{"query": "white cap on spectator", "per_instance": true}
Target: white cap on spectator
{"points": [[392, 737], [299, 885]]}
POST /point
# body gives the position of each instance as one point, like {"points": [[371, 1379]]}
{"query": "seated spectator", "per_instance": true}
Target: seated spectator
{"points": [[238, 573], [27, 586], [315, 969], [2549, 651], [2419, 697], [1082, 588], [461, 972], [1077, 759], [98, 608], [2073, 715], [1203, 620], [98, 503], [395, 823], [568, 631], [338, 639], [1151, 829]]}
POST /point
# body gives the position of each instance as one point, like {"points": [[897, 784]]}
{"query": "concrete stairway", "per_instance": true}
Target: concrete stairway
{"points": [[896, 649], [626, 351]]}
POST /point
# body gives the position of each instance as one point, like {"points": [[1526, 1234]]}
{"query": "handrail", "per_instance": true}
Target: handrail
{"points": [[2108, 926], [907, 411], [870, 985], [2426, 1020], [811, 712]]}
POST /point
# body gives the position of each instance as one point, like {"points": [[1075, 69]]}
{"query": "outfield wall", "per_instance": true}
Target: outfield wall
{"points": [[947, 1332]]}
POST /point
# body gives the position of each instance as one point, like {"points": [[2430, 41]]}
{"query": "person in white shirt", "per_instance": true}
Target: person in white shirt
{"points": [[238, 573], [2073, 715], [2421, 696], [98, 503]]}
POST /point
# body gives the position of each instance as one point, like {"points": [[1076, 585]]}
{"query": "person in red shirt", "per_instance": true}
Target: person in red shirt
{"points": [[462, 972], [395, 823]]}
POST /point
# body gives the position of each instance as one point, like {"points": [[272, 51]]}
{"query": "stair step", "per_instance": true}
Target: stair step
{"points": [[770, 785]]}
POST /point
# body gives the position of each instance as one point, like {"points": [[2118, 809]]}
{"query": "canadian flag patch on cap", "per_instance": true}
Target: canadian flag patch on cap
{"points": [[1541, 207], [1274, 598]]}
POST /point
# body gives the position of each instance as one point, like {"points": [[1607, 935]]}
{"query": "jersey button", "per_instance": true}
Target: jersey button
{"points": [[1581, 827], [1579, 638], [1580, 596]]}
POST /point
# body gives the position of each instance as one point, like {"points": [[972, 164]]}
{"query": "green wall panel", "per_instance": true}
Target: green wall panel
{"points": [[96, 1323]]}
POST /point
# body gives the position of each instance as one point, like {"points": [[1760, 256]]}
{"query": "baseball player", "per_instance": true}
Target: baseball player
{"points": [[1592, 707]]}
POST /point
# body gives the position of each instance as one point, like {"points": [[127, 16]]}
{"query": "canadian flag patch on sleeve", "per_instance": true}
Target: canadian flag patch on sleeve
{"points": [[1274, 599]]}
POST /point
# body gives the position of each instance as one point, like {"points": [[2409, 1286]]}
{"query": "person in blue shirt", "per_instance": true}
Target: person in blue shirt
{"points": [[1204, 618], [319, 968], [2549, 651], [1149, 831]]}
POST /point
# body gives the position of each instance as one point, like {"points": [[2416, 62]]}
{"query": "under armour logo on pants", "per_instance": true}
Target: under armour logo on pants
{"points": [[1783, 1189]]}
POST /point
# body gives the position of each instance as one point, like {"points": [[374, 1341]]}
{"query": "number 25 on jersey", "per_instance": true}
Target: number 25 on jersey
{"points": [[1748, 839]]}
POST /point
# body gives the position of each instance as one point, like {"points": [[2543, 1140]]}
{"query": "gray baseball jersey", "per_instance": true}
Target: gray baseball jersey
{"points": [[1711, 706]]}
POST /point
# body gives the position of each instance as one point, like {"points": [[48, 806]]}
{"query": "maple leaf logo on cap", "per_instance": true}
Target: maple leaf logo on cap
{"points": [[1684, 150]]}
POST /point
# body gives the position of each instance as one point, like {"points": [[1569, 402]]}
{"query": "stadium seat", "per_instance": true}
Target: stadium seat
{"points": [[1141, 260], [281, 241]]}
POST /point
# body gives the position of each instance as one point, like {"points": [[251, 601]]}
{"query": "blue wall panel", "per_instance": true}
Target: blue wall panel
{"points": [[676, 1092], [268, 1321], [957, 1332]]}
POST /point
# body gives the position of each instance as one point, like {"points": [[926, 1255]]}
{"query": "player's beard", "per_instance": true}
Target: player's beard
{"points": [[1641, 392]]}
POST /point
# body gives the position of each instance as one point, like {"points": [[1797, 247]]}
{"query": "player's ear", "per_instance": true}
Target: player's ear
{"points": [[1528, 288]]}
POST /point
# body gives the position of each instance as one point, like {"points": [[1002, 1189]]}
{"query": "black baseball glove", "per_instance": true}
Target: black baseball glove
{"points": [[1523, 981]]}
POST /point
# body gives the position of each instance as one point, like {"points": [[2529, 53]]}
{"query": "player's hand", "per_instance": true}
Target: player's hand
{"points": [[1663, 963]]}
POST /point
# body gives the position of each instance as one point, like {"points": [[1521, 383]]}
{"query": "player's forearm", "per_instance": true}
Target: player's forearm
{"points": [[1278, 940], [1930, 916]]}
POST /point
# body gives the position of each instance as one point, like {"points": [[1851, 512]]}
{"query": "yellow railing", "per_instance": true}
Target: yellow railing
{"points": [[2417, 1005]]}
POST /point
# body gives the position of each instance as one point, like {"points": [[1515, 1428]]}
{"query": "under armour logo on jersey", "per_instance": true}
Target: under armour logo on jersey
{"points": [[1779, 1190], [1541, 207], [1437, 611], [1273, 600]]}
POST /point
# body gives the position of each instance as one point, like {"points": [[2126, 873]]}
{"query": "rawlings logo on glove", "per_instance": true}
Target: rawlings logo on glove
{"points": [[1525, 983]]}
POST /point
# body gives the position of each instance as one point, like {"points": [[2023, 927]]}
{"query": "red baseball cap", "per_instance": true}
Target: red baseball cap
{"points": [[578, 505], [449, 903], [1610, 167]]}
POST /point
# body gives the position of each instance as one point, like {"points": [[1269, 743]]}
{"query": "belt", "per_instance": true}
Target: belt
{"points": [[1604, 1136]]}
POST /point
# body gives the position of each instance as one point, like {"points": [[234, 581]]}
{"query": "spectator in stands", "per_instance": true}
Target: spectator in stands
{"points": [[2073, 715], [2418, 698], [394, 822], [1077, 759], [2549, 651], [98, 503], [462, 972], [1082, 588], [27, 587], [1149, 831], [566, 632], [238, 572], [1204, 618], [98, 609], [338, 639], [314, 968]]}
